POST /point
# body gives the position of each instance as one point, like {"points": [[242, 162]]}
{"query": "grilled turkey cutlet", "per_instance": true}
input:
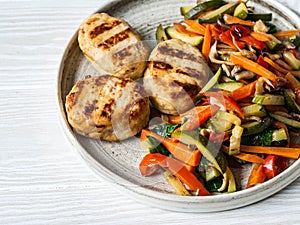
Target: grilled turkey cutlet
{"points": [[111, 45], [176, 72], [107, 107]]}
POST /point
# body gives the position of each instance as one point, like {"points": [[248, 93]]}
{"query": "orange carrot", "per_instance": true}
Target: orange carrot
{"points": [[174, 119], [182, 29], [275, 65], [253, 66], [249, 158], [261, 36], [292, 153], [199, 116], [287, 33], [280, 68], [206, 43], [178, 150], [243, 92], [235, 20], [195, 27], [257, 175]]}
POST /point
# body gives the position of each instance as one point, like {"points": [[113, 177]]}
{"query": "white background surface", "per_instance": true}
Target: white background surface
{"points": [[42, 179]]}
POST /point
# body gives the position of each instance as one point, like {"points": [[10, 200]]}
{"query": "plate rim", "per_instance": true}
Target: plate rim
{"points": [[167, 201]]}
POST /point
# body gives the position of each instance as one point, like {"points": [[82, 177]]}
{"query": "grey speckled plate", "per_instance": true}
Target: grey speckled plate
{"points": [[118, 162]]}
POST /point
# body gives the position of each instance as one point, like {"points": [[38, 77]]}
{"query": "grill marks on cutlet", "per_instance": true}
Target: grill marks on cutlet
{"points": [[191, 89], [167, 67], [176, 53], [108, 109], [104, 27], [88, 109], [114, 40]]}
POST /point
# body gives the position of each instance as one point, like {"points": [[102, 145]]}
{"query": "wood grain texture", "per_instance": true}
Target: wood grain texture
{"points": [[42, 179]]}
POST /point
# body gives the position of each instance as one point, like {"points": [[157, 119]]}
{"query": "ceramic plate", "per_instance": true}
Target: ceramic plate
{"points": [[118, 162]]}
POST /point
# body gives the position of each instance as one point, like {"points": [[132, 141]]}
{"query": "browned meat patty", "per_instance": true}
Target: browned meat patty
{"points": [[111, 45], [107, 107], [176, 72]]}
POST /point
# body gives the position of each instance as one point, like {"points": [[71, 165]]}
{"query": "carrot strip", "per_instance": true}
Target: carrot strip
{"points": [[287, 33], [292, 153], [243, 92], [189, 114], [195, 27], [257, 175], [178, 150], [249, 158], [201, 115], [261, 36], [253, 66], [280, 68], [235, 20], [182, 29], [174, 119], [206, 43], [275, 65]]}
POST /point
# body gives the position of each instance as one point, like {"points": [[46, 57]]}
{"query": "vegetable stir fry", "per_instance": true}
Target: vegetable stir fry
{"points": [[248, 113]]}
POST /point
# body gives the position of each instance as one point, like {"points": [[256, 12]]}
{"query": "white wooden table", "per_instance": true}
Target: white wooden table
{"points": [[42, 179]]}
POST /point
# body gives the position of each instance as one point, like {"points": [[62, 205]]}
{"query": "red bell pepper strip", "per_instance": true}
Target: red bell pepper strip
{"points": [[262, 62], [178, 150], [228, 102], [226, 37], [176, 168], [243, 92], [199, 115], [257, 175], [253, 42], [215, 29], [295, 53], [240, 31], [151, 163], [273, 165]]}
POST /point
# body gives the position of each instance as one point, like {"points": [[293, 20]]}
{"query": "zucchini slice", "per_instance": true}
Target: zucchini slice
{"points": [[185, 9], [259, 16], [212, 81], [254, 110], [161, 34], [193, 40], [197, 10], [290, 101], [287, 121], [295, 40], [229, 86], [256, 127], [213, 16], [268, 99], [241, 11], [211, 173], [274, 43]]}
